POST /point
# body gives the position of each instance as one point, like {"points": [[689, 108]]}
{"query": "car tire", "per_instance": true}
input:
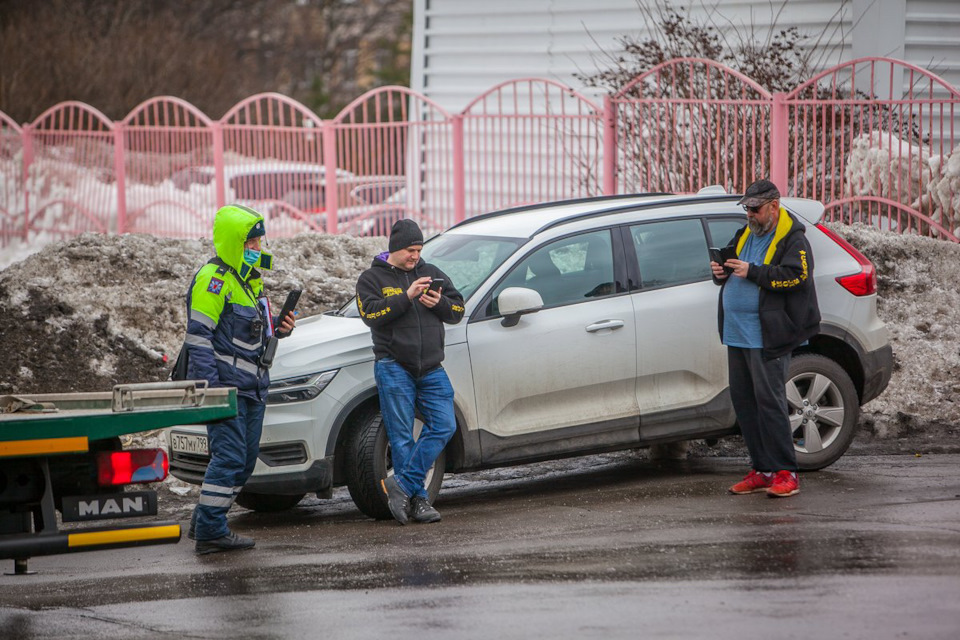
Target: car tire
{"points": [[368, 462], [266, 502], [824, 410]]}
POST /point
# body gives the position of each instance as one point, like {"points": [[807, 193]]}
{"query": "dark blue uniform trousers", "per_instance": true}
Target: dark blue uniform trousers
{"points": [[234, 445]]}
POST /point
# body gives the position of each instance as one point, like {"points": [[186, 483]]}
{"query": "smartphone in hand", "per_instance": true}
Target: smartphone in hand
{"points": [[289, 305], [436, 284], [721, 255]]}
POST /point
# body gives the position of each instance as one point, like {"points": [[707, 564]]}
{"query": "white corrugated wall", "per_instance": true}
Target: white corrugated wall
{"points": [[463, 47]]}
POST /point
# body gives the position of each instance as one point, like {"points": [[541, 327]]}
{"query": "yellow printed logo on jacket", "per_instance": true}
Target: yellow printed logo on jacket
{"points": [[375, 314]]}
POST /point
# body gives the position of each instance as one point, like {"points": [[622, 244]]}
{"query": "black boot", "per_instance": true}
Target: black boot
{"points": [[229, 542]]}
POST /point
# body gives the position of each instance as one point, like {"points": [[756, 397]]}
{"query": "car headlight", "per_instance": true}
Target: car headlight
{"points": [[300, 388]]}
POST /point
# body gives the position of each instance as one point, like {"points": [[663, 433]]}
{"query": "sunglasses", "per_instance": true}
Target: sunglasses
{"points": [[757, 208]]}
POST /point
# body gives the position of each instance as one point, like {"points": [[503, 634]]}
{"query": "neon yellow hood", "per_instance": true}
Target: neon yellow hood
{"points": [[231, 226]]}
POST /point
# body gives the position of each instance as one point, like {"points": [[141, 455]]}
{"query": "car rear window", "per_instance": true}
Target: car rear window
{"points": [[671, 252]]}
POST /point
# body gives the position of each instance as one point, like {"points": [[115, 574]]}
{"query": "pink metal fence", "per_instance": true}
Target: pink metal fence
{"points": [[851, 137], [529, 140], [398, 147], [872, 139], [165, 140], [12, 193], [71, 161], [685, 124]]}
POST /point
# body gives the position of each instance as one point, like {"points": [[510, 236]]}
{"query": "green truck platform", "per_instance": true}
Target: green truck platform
{"points": [[63, 452]]}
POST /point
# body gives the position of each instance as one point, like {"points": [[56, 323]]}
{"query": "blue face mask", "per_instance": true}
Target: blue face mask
{"points": [[251, 256]]}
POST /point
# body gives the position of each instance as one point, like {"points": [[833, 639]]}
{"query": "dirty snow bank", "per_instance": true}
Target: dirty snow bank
{"points": [[99, 310], [919, 300]]}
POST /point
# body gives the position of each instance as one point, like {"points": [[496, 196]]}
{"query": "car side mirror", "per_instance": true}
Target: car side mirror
{"points": [[514, 302]]}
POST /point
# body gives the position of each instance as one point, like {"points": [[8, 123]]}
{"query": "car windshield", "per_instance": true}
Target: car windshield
{"points": [[467, 260]]}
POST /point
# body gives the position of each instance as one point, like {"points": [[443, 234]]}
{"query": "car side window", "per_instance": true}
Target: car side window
{"points": [[722, 230], [671, 252], [573, 269]]}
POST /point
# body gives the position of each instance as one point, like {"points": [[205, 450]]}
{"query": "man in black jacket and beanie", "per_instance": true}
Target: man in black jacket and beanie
{"points": [[768, 307], [406, 316]]}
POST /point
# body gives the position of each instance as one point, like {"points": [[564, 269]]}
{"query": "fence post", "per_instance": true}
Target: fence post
{"points": [[120, 173], [779, 143], [330, 195], [218, 164], [27, 141], [459, 173], [609, 147]]}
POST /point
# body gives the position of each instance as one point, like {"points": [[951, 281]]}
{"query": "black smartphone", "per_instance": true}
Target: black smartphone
{"points": [[289, 305], [436, 284], [722, 255]]}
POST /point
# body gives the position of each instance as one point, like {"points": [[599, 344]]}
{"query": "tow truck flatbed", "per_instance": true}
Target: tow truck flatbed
{"points": [[65, 433], [128, 409]]}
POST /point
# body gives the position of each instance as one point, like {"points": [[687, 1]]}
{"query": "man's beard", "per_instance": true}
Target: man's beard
{"points": [[759, 229]]}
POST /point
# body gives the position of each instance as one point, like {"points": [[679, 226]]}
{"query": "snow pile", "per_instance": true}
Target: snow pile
{"points": [[944, 186], [882, 165], [919, 300], [104, 309], [100, 309]]}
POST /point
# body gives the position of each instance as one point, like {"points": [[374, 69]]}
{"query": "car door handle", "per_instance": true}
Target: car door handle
{"points": [[604, 324]]}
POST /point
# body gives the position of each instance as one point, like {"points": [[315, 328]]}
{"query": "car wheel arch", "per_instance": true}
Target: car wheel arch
{"points": [[840, 346], [833, 410], [368, 400]]}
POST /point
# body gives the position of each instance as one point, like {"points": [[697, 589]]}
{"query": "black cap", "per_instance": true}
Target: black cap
{"points": [[405, 233], [257, 231], [760, 192]]}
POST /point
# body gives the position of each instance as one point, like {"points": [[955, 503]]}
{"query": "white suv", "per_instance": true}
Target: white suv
{"points": [[590, 326]]}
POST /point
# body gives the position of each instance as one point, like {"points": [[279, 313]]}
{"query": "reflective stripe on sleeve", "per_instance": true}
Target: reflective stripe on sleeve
{"points": [[202, 318], [197, 341]]}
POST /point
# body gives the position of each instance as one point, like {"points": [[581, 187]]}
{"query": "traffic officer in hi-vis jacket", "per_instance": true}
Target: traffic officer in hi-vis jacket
{"points": [[228, 329]]}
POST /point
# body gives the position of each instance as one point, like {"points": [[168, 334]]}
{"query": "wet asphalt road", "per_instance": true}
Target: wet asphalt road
{"points": [[609, 546]]}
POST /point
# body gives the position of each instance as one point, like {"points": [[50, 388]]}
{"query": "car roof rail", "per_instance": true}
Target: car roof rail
{"points": [[554, 203], [636, 207]]}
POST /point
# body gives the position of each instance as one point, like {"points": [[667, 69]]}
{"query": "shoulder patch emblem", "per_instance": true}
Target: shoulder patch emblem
{"points": [[215, 286]]}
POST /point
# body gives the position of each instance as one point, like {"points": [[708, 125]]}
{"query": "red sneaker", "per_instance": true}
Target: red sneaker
{"points": [[785, 484], [753, 482]]}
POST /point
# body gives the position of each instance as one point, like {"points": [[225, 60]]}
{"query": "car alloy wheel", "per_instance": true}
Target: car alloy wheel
{"points": [[823, 408]]}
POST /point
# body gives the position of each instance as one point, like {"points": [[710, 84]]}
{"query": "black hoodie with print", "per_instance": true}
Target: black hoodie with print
{"points": [[404, 329]]}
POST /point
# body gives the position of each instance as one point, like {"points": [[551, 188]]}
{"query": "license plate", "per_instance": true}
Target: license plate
{"points": [[186, 443]]}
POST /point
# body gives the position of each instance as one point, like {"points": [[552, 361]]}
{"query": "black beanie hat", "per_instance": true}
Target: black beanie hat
{"points": [[404, 234]]}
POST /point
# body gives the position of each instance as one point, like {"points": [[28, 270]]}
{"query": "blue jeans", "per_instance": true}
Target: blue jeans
{"points": [[400, 394], [234, 445]]}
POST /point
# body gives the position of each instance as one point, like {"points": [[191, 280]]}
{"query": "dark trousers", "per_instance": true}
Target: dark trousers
{"points": [[757, 388], [234, 445]]}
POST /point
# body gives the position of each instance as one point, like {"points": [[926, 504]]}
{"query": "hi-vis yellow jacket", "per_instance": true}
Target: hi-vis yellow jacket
{"points": [[226, 329]]}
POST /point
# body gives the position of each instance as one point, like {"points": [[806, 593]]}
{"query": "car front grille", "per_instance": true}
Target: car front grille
{"points": [[189, 466]]}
